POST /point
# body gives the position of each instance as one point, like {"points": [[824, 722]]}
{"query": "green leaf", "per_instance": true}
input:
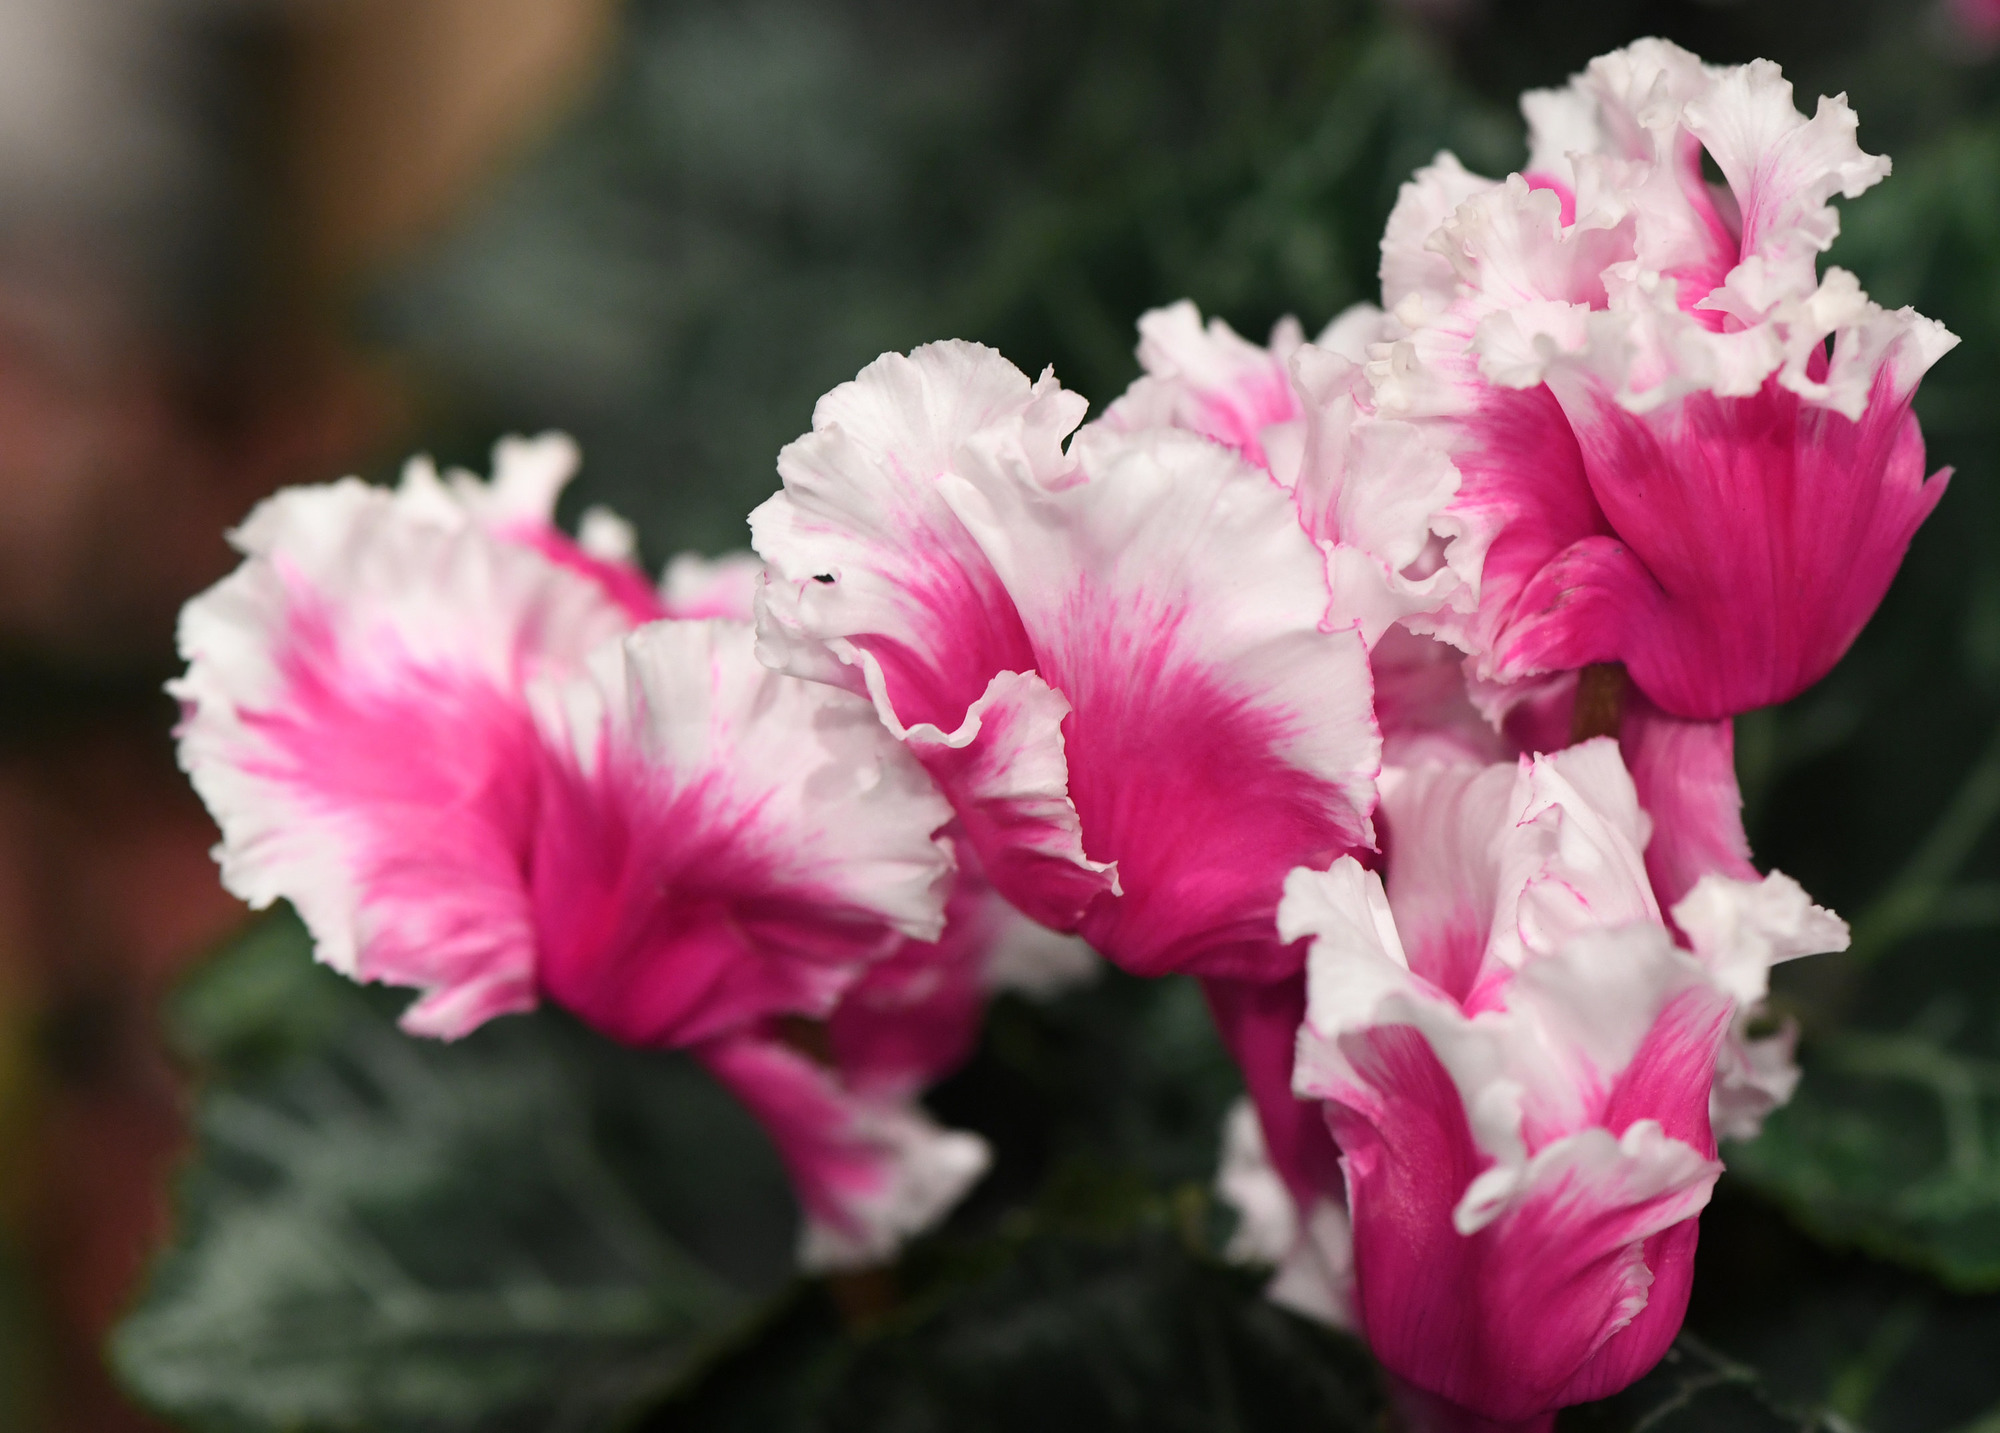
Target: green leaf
{"points": [[1695, 1389], [528, 1228], [1047, 1332], [1889, 1147], [1118, 1086], [1861, 1343]]}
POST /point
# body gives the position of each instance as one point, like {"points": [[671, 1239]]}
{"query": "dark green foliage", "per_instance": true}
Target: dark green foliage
{"points": [[1886, 1149], [1047, 1331], [1115, 1088], [1696, 1388], [527, 1229]]}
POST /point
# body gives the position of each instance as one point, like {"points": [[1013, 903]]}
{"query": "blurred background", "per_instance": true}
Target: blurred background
{"points": [[245, 243]]}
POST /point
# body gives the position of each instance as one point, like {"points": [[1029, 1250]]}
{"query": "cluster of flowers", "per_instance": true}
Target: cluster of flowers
{"points": [[1383, 683]]}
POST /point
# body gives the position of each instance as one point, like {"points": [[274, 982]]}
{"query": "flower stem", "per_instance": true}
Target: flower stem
{"points": [[1600, 701]]}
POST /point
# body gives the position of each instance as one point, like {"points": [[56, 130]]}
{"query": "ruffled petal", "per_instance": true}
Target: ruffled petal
{"points": [[720, 842], [354, 717], [1613, 140], [1572, 860], [1516, 1061], [1006, 773], [693, 586], [1373, 492], [871, 1172], [1756, 1072], [1313, 1258], [517, 502], [1523, 500], [518, 505], [873, 581], [1755, 538], [1218, 735], [875, 584], [1781, 167], [444, 745], [1679, 446], [1503, 1319], [1209, 380], [1417, 280], [1113, 661], [1740, 929]]}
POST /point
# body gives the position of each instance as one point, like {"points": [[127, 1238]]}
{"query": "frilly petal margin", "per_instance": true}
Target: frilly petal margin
{"points": [[1524, 1072], [719, 842], [422, 717], [1115, 660], [1312, 1259], [1681, 447], [1215, 725], [865, 558], [1740, 928], [873, 584], [353, 717], [518, 505], [1210, 381]]}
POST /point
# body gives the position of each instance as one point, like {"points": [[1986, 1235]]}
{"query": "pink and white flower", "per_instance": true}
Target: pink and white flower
{"points": [[1519, 1064], [1366, 488], [433, 724], [1117, 660], [1210, 380], [1684, 771], [1678, 445]]}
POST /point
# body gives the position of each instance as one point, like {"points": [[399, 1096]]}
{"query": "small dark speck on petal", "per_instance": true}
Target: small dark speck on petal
{"points": [[823, 577]]}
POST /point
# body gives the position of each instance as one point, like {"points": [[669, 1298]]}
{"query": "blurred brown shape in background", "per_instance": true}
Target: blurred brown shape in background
{"points": [[192, 193], [404, 111]]}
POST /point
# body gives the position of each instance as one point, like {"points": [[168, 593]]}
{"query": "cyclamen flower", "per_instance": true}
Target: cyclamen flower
{"points": [[1684, 771], [1518, 1062], [1208, 379], [433, 723], [1292, 1217], [1365, 490], [1678, 446], [1116, 660]]}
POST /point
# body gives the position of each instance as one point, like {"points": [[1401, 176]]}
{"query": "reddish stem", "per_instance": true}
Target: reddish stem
{"points": [[1600, 701]]}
